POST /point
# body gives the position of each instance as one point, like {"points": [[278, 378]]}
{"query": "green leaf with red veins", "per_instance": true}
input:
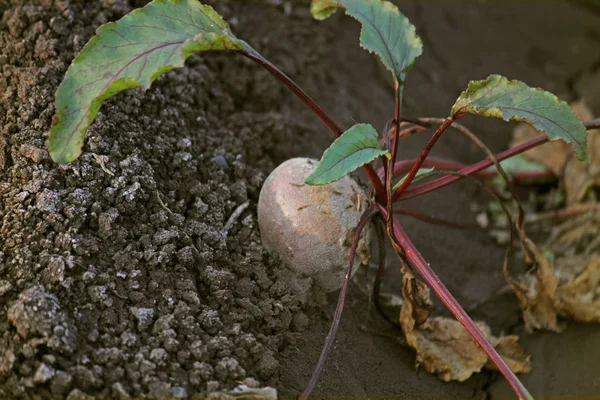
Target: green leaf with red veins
{"points": [[132, 52], [385, 31], [356, 147], [515, 101]]}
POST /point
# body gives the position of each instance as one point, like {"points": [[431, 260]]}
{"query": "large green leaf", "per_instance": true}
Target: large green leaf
{"points": [[130, 53], [515, 101], [355, 148], [385, 31]]}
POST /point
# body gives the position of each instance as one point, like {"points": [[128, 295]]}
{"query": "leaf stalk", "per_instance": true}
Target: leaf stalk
{"points": [[340, 306], [394, 150], [402, 167], [317, 110], [415, 168], [435, 184], [424, 270], [481, 165]]}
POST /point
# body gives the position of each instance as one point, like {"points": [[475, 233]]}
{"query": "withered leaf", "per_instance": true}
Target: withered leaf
{"points": [[564, 280], [443, 345], [535, 291], [580, 297], [417, 302], [580, 177], [445, 348], [513, 354]]}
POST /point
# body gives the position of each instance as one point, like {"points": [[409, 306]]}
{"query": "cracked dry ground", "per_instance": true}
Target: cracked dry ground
{"points": [[116, 276]]}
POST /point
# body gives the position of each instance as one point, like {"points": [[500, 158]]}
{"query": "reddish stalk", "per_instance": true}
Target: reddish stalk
{"points": [[411, 131], [403, 245], [433, 220], [315, 108], [481, 165], [416, 121], [402, 167], [422, 267], [414, 126], [571, 211], [592, 124], [435, 184], [339, 308], [394, 149], [415, 168], [379, 275]]}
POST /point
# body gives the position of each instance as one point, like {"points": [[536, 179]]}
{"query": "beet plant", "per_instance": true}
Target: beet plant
{"points": [[155, 39]]}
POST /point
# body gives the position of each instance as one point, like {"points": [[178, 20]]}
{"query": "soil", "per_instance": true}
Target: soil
{"points": [[117, 276]]}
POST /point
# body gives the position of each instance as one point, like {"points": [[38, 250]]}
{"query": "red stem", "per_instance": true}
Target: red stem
{"points": [[379, 276], [422, 267], [402, 167], [394, 150], [415, 168], [339, 308], [592, 124], [432, 220], [331, 125], [397, 106], [574, 210], [410, 131], [472, 169]]}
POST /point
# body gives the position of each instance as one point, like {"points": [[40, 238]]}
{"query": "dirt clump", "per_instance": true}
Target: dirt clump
{"points": [[118, 276]]}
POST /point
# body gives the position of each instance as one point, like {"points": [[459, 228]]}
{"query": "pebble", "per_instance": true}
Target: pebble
{"points": [[43, 374]]}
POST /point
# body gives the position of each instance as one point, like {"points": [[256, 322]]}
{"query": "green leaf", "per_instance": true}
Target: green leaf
{"points": [[130, 53], [323, 9], [515, 101], [519, 164], [355, 148], [385, 31], [421, 173]]}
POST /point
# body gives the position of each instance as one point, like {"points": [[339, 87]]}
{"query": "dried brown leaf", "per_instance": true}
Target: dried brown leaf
{"points": [[443, 345], [565, 280], [514, 355], [417, 302], [577, 177], [576, 181], [580, 297], [580, 177], [576, 249], [445, 348], [536, 291]]}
